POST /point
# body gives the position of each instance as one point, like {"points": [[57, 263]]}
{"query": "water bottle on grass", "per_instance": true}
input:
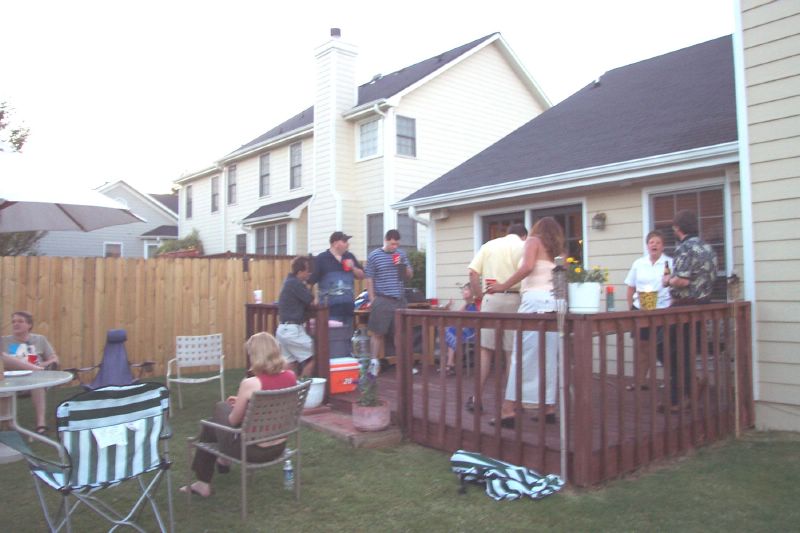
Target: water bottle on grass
{"points": [[288, 475]]}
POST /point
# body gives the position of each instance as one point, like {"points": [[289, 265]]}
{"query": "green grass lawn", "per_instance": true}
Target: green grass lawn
{"points": [[745, 485]]}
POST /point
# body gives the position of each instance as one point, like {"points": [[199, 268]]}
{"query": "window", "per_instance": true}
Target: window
{"points": [[150, 249], [241, 243], [368, 139], [296, 162], [263, 175], [188, 199], [709, 204], [214, 194], [406, 227], [406, 137], [495, 226], [112, 249], [570, 218], [271, 240], [231, 184]]}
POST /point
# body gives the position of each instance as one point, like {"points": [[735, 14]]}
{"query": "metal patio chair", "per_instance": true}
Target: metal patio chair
{"points": [[270, 415], [193, 351], [107, 436]]}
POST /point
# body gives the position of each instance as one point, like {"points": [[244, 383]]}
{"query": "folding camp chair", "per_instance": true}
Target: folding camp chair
{"points": [[114, 368], [109, 435], [270, 415], [197, 350]]}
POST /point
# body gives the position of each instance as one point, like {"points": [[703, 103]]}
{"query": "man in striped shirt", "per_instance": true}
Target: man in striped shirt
{"points": [[386, 272]]}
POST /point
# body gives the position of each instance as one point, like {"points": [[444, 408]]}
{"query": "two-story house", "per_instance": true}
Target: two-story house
{"points": [[342, 163], [140, 239]]}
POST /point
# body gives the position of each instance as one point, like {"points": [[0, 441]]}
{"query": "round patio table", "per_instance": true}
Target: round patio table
{"points": [[9, 386]]}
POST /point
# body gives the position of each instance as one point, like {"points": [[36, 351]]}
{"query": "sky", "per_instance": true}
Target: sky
{"points": [[147, 91]]}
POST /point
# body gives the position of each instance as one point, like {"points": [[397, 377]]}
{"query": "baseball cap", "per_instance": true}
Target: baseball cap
{"points": [[339, 236]]}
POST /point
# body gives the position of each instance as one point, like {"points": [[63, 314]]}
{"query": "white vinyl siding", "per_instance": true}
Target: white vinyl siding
{"points": [[771, 38]]}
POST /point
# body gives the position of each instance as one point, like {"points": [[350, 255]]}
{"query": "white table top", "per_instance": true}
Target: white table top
{"points": [[35, 380]]}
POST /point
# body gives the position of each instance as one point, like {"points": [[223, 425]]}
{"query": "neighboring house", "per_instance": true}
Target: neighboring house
{"points": [[140, 239], [768, 76], [340, 164]]}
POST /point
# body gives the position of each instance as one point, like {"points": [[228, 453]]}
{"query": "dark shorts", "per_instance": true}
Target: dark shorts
{"points": [[381, 314]]}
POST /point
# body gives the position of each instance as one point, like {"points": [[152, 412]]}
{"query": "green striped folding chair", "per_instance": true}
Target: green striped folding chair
{"points": [[109, 435]]}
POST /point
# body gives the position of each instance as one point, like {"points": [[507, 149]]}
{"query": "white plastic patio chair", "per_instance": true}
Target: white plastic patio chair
{"points": [[193, 351], [270, 415]]}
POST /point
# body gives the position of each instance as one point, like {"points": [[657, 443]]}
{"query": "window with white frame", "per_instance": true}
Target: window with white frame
{"points": [[214, 194], [406, 227], [231, 184], [150, 250], [368, 138], [406, 136], [263, 175], [188, 201], [709, 205], [296, 165], [112, 249], [272, 240], [241, 243]]}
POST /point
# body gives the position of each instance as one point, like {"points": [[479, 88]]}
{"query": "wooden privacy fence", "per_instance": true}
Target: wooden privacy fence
{"points": [[75, 300], [610, 430]]}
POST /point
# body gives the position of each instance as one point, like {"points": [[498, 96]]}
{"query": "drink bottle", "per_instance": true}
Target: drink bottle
{"points": [[288, 475], [667, 271]]}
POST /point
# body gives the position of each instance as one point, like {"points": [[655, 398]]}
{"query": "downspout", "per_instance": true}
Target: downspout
{"points": [[745, 189], [430, 251]]}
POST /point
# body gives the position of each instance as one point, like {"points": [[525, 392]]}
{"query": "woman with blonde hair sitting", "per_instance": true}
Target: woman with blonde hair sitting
{"points": [[269, 368]]}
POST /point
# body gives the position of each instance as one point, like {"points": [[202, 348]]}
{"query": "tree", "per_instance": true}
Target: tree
{"points": [[16, 135], [23, 242]]}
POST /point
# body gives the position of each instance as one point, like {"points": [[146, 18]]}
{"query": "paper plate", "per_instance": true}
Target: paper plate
{"points": [[15, 373]]}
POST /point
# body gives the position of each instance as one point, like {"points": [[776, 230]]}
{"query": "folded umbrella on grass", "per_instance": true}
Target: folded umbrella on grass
{"points": [[503, 481]]}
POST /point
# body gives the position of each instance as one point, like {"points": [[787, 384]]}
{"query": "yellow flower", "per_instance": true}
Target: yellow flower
{"points": [[578, 270], [571, 260]]}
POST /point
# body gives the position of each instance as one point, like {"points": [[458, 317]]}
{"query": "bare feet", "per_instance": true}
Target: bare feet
{"points": [[198, 487]]}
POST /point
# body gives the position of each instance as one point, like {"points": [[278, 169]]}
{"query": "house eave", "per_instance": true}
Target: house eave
{"points": [[208, 171], [268, 144], [696, 158], [292, 214], [366, 109]]}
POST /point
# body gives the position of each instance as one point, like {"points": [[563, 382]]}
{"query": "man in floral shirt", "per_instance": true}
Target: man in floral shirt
{"points": [[691, 283]]}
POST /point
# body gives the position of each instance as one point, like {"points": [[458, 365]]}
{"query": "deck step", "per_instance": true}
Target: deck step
{"points": [[340, 425]]}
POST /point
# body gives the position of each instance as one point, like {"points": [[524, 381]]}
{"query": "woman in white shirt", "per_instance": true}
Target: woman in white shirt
{"points": [[646, 274]]}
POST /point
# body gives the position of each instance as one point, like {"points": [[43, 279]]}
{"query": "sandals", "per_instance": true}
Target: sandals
{"points": [[508, 423], [42, 430], [470, 404]]}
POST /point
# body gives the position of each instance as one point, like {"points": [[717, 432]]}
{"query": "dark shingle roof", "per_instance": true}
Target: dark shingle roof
{"points": [[383, 87], [670, 103], [162, 231], [277, 208], [170, 201]]}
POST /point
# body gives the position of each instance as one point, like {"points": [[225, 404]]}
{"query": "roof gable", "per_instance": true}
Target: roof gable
{"points": [[382, 87], [671, 103]]}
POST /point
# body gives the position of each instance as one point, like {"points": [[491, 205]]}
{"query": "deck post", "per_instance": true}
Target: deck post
{"points": [[582, 408]]}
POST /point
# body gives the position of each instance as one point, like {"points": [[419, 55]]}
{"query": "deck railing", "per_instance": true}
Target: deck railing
{"points": [[610, 430]]}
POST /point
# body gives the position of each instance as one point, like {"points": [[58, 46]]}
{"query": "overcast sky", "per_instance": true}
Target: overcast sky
{"points": [[146, 91]]}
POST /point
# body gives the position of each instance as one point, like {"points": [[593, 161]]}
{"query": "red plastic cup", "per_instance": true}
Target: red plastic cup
{"points": [[33, 359], [434, 301], [396, 258], [490, 282], [347, 265]]}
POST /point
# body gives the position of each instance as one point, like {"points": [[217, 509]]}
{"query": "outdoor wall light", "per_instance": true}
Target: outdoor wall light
{"points": [[599, 221]]}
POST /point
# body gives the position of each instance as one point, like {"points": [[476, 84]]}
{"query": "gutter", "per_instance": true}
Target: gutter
{"points": [[745, 190], [430, 252], [721, 154], [272, 141]]}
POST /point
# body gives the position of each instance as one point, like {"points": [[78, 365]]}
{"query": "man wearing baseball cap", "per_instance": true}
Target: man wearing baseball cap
{"points": [[334, 271]]}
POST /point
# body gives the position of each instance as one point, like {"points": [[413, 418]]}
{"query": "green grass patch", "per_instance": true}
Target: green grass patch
{"points": [[748, 484]]}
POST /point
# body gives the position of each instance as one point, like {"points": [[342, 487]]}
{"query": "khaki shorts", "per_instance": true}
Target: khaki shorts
{"points": [[295, 343], [499, 303]]}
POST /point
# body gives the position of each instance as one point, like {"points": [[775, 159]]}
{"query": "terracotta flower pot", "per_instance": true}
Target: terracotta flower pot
{"points": [[375, 418]]}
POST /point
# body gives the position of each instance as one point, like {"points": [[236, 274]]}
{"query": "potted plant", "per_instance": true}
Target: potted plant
{"points": [[584, 286], [370, 413]]}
